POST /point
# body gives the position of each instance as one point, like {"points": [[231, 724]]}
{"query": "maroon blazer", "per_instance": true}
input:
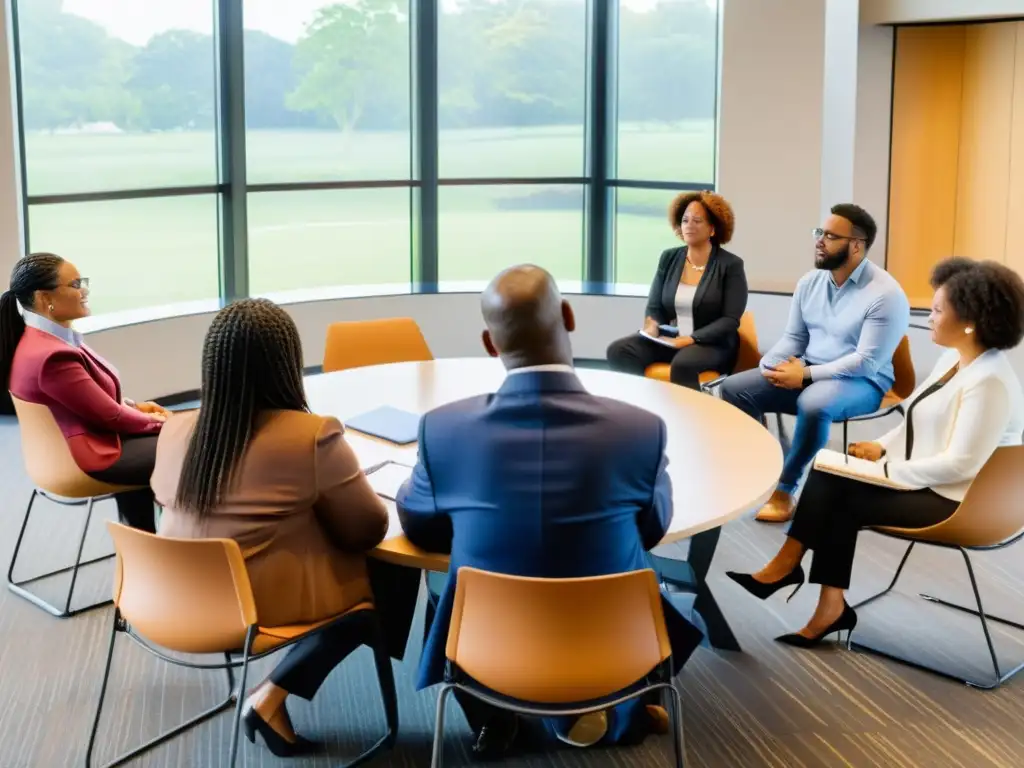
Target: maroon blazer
{"points": [[83, 393]]}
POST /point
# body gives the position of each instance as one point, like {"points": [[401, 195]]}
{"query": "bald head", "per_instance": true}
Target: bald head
{"points": [[526, 318]]}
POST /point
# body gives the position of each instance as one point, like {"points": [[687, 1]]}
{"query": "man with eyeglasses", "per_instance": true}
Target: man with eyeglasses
{"points": [[834, 361]]}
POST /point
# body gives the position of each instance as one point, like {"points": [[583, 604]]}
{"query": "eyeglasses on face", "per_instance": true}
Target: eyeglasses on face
{"points": [[80, 283], [832, 237]]}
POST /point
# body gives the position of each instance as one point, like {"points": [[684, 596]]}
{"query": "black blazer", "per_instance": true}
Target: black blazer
{"points": [[718, 303]]}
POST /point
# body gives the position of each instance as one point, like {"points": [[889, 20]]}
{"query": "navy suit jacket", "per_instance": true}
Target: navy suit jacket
{"points": [[540, 479]]}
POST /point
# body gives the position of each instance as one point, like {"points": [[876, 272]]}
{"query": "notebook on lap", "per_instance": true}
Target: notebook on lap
{"points": [[387, 423]]}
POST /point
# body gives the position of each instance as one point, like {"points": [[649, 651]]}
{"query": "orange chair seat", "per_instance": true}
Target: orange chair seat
{"points": [[662, 371], [889, 400], [269, 638]]}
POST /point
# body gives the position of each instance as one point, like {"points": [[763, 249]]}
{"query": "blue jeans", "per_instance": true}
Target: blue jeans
{"points": [[816, 407]]}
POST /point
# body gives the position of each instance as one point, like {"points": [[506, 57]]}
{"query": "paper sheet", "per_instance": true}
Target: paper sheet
{"points": [[388, 478], [656, 339], [836, 463]]}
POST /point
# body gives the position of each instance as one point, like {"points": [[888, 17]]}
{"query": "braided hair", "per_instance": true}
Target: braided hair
{"points": [[252, 362], [35, 272]]}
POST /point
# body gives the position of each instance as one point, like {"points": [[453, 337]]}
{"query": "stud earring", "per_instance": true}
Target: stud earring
{"points": [[51, 307], [968, 330]]}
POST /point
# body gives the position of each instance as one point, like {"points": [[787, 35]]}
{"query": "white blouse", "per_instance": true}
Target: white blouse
{"points": [[958, 426], [684, 308]]}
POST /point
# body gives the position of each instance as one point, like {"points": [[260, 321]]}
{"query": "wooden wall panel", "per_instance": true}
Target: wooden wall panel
{"points": [[983, 182], [1015, 203], [926, 121]]}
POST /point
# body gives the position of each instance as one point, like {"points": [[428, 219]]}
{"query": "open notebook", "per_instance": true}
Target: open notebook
{"points": [[387, 478], [836, 463]]}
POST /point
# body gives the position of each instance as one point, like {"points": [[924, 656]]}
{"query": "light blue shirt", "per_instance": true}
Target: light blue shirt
{"points": [[46, 325], [848, 331]]}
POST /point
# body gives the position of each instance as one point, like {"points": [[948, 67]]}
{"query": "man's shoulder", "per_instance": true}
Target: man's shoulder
{"points": [[629, 416]]}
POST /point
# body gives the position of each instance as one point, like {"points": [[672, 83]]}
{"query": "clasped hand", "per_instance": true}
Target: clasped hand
{"points": [[788, 375], [154, 411]]}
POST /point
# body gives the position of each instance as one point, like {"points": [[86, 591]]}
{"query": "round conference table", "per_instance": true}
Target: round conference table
{"points": [[722, 463]]}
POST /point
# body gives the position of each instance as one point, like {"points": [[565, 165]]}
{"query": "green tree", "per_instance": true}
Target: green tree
{"points": [[173, 81], [72, 71], [269, 78], [353, 64]]}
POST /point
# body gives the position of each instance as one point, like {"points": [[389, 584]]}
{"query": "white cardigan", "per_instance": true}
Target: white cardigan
{"points": [[958, 427]]}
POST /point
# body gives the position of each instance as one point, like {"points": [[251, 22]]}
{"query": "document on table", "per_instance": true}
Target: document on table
{"points": [[387, 478], [656, 339], [836, 463]]}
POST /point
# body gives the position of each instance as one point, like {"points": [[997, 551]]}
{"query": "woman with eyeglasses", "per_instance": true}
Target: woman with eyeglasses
{"points": [[697, 298], [968, 406], [44, 360]]}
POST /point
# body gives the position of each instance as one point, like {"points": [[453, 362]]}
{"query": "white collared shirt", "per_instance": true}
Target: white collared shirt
{"points": [[46, 325], [550, 368]]}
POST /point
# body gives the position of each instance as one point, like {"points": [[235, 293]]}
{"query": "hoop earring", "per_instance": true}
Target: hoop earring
{"points": [[51, 307]]}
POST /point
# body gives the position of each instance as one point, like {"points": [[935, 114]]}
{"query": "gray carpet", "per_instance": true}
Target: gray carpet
{"points": [[767, 706]]}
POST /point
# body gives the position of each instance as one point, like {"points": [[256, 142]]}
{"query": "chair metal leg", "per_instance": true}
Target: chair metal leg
{"points": [[676, 710], [19, 587], [232, 699], [998, 676], [442, 699], [892, 583], [249, 637]]}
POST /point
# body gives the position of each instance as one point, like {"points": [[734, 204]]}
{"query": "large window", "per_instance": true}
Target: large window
{"points": [[667, 85], [117, 97], [211, 149]]}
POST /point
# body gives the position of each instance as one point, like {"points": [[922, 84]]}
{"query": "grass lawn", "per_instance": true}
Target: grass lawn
{"points": [[163, 250]]}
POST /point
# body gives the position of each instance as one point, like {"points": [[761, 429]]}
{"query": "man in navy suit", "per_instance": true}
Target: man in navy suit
{"points": [[540, 479]]}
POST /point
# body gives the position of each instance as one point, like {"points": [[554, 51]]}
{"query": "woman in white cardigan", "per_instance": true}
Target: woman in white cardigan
{"points": [[970, 404]]}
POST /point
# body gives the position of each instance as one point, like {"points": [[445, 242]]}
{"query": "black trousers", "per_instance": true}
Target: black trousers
{"points": [[134, 467], [833, 509], [632, 354], [395, 590]]}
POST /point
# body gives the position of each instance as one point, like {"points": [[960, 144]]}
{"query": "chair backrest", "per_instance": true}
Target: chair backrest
{"points": [[905, 379], [991, 511], [556, 641], [749, 356], [358, 343], [48, 460], [188, 595]]}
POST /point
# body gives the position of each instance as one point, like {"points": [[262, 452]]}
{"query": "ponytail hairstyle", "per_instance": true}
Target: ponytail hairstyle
{"points": [[35, 272]]}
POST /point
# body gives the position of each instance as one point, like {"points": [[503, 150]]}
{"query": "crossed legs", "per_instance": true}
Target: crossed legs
{"points": [[816, 407]]}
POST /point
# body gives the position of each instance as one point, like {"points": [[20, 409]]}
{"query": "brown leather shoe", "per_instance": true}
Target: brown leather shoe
{"points": [[659, 719], [779, 508]]}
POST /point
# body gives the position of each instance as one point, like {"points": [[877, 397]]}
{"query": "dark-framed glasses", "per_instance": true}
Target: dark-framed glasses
{"points": [[818, 233]]}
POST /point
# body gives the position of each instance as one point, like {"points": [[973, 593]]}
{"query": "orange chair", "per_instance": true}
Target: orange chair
{"points": [[904, 381], [551, 647], [358, 343], [57, 478], [749, 357], [193, 596], [990, 517]]}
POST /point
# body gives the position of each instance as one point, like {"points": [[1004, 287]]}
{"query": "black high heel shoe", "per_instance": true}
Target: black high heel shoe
{"points": [[847, 621], [278, 745], [763, 590]]}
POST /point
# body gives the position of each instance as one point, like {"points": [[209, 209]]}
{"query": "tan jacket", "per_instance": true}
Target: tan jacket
{"points": [[301, 510]]}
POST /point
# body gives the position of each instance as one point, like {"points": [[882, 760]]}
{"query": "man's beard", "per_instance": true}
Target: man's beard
{"points": [[834, 260]]}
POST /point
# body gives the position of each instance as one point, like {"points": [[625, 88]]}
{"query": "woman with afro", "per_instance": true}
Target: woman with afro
{"points": [[968, 406], [699, 288]]}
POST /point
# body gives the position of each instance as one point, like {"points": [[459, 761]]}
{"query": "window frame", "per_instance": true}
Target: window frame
{"points": [[599, 180]]}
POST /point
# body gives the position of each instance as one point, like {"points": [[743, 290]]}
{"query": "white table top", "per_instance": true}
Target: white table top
{"points": [[722, 463]]}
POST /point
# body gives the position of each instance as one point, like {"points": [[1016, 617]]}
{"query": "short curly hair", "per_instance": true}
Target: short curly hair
{"points": [[718, 209], [987, 295]]}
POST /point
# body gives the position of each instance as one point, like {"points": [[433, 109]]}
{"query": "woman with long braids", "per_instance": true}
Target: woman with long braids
{"points": [[44, 360], [254, 465]]}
